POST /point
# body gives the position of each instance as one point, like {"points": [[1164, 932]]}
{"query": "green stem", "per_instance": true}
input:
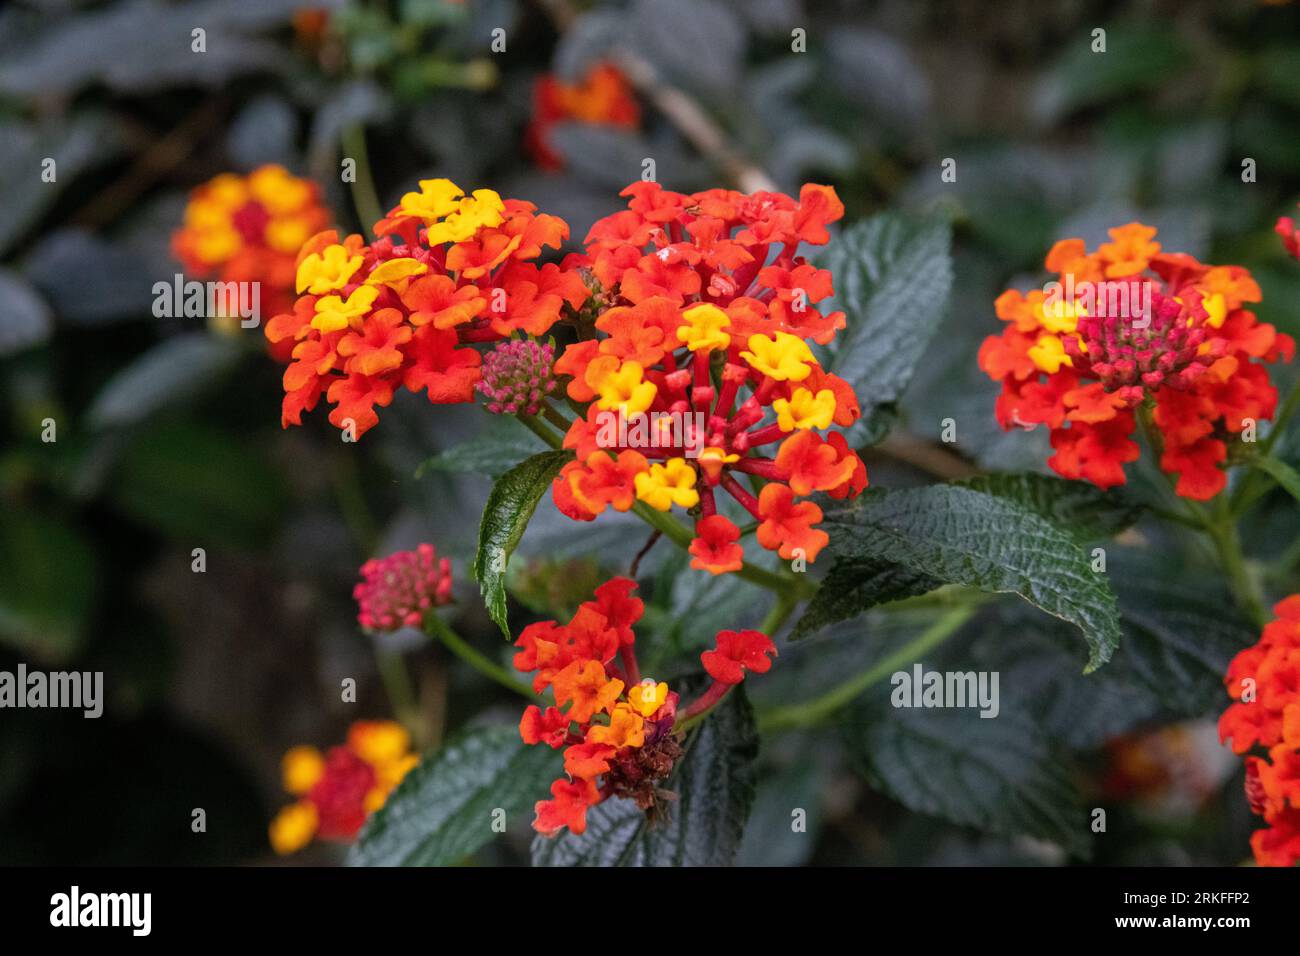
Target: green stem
{"points": [[534, 425], [435, 626], [820, 708], [364, 196], [1258, 481], [1279, 422], [1227, 543], [399, 688], [552, 415]]}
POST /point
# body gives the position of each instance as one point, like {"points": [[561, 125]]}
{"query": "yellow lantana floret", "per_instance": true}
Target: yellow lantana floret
{"points": [[784, 357], [1217, 308], [436, 198], [805, 410], [333, 314], [647, 697], [293, 827], [300, 768], [1059, 317], [327, 270], [482, 209], [1049, 354], [703, 331], [624, 389], [672, 483], [712, 460], [395, 271], [278, 190], [626, 728]]}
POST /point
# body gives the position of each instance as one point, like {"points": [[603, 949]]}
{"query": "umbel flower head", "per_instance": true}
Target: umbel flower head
{"points": [[1129, 325], [602, 97], [449, 271], [249, 229], [395, 591], [1264, 683], [616, 728], [339, 789], [517, 375], [707, 314]]}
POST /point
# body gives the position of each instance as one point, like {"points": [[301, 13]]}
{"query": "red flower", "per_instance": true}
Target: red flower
{"points": [[737, 652], [567, 808], [716, 547]]}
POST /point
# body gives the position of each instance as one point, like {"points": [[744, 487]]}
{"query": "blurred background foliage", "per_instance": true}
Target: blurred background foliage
{"points": [[168, 436]]}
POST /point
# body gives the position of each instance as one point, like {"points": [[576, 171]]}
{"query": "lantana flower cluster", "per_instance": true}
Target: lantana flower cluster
{"points": [[601, 97], [337, 790], [705, 313], [449, 271], [1184, 341], [1264, 683], [616, 728], [249, 229], [396, 590]]}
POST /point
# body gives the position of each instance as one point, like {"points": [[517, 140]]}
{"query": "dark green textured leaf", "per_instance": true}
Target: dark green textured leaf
{"points": [[997, 774], [714, 783], [443, 810], [509, 507], [1077, 507], [962, 536], [892, 278], [494, 452], [856, 584]]}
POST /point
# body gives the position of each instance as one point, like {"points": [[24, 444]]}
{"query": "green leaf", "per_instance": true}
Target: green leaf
{"points": [[198, 485], [172, 371], [510, 505], [892, 279], [493, 452], [47, 584], [714, 783], [995, 774], [24, 317], [962, 536], [1281, 472], [1082, 509], [1135, 59], [443, 809], [856, 584]]}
